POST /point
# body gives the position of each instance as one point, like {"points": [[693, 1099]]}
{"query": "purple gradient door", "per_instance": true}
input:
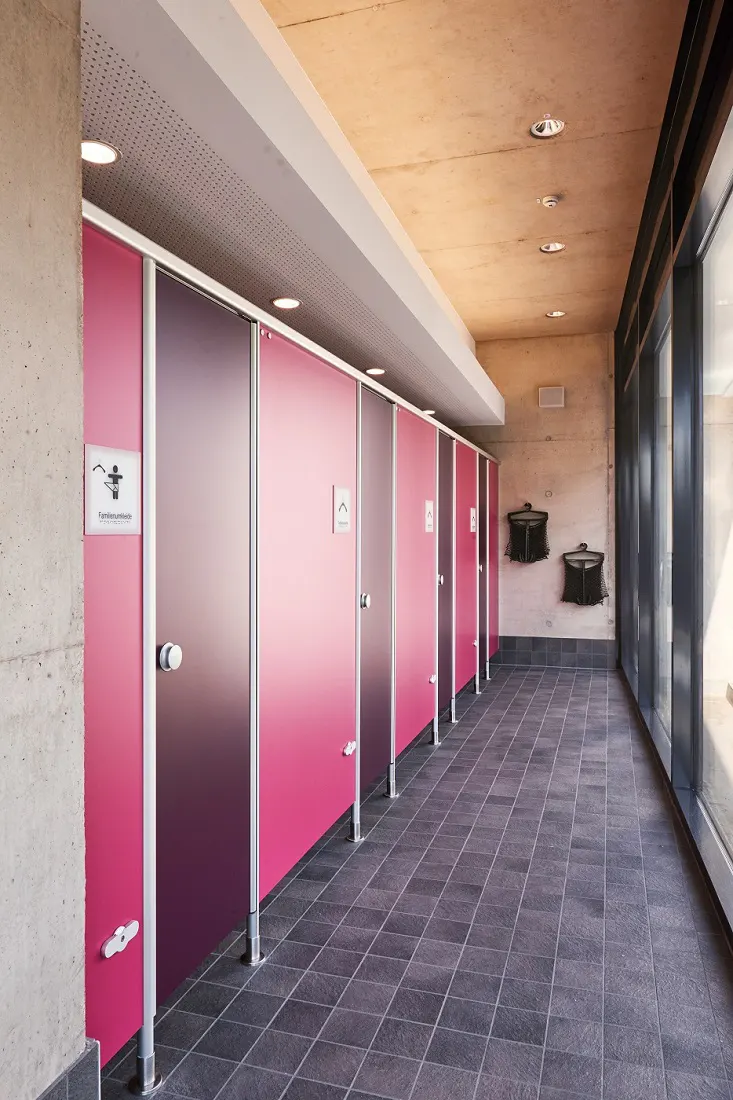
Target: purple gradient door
{"points": [[483, 562], [445, 571], [416, 658], [466, 564], [203, 430], [376, 582], [113, 705], [494, 552], [307, 601]]}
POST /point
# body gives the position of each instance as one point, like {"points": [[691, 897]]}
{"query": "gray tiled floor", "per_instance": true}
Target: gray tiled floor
{"points": [[524, 923]]}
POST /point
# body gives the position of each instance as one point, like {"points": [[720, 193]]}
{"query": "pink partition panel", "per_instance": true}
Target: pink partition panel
{"points": [[112, 651], [416, 659], [494, 552], [466, 564], [307, 603]]}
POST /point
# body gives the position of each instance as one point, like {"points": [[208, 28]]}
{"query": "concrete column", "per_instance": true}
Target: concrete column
{"points": [[41, 613]]}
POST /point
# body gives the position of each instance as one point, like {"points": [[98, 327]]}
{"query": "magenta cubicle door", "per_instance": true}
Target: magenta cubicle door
{"points": [[375, 675], [416, 657], [113, 777], [202, 483], [307, 601], [466, 565], [494, 555], [483, 563]]}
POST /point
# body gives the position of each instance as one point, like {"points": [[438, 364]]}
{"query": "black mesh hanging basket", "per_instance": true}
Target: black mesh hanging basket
{"points": [[585, 584], [527, 535]]}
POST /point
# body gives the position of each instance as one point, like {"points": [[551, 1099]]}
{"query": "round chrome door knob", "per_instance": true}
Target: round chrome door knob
{"points": [[365, 600], [433, 679], [441, 578], [170, 657]]}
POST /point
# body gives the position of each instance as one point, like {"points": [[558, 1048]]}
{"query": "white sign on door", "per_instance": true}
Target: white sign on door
{"points": [[474, 526], [341, 510], [429, 516], [111, 491]]}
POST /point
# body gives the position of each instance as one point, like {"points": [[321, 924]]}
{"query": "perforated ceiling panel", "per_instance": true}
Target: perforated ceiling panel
{"points": [[174, 189]]}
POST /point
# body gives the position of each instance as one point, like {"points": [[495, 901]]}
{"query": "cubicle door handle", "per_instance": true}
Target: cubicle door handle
{"points": [[170, 657]]}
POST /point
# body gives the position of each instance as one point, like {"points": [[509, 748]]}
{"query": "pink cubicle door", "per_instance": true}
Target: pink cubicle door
{"points": [[417, 578], [466, 565], [307, 602], [113, 776], [494, 552]]}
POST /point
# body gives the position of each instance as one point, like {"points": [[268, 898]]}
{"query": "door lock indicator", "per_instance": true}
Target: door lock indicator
{"points": [[120, 939]]}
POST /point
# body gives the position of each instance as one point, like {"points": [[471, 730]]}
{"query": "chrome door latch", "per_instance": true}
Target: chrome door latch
{"points": [[476, 642], [441, 578], [119, 941], [365, 601], [433, 678], [349, 748]]}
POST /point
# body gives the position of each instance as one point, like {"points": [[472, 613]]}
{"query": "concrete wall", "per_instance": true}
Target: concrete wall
{"points": [[41, 714], [561, 460]]}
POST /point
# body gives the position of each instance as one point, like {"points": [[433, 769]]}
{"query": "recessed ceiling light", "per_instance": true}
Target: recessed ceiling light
{"points": [[429, 412], [375, 370], [547, 127], [552, 246], [556, 313], [285, 303], [99, 152]]}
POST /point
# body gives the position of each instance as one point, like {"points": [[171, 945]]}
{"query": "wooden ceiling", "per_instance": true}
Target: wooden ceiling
{"points": [[437, 96]]}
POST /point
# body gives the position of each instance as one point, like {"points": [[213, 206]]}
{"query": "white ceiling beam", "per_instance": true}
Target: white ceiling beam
{"points": [[229, 73]]}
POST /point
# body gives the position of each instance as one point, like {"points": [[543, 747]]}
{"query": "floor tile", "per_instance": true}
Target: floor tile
{"points": [[332, 1064], [200, 1077], [387, 1075], [404, 1037]]}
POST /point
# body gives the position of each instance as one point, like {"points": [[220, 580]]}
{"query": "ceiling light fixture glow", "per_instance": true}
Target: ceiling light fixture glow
{"points": [[429, 412], [552, 246], [376, 370], [285, 303], [556, 313], [547, 127], [99, 152]]}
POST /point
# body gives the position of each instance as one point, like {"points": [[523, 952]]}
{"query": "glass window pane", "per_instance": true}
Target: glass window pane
{"points": [[662, 699], [717, 741]]}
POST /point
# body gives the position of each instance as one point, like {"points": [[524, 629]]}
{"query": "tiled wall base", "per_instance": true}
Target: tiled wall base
{"points": [[556, 652], [81, 1080]]}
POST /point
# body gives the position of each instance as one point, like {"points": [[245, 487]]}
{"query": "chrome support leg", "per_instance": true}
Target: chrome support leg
{"points": [[391, 791], [146, 1081], [252, 952], [355, 827]]}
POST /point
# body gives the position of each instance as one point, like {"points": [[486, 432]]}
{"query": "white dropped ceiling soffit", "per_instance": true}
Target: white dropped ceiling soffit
{"points": [[231, 161]]}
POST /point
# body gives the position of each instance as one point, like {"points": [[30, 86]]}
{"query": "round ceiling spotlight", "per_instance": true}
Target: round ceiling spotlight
{"points": [[285, 303], [376, 370], [547, 127], [552, 246], [99, 152], [556, 313]]}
